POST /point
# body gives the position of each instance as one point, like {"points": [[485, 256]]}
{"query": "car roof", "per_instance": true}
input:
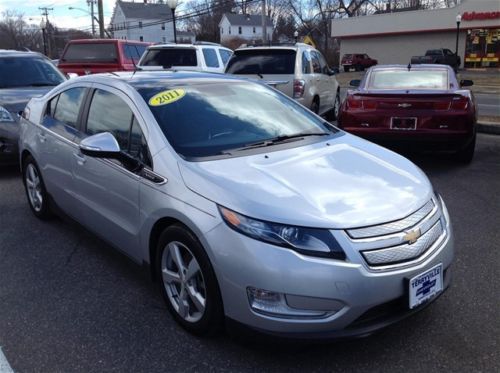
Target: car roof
{"points": [[194, 45], [295, 47], [424, 66], [110, 41], [15, 53]]}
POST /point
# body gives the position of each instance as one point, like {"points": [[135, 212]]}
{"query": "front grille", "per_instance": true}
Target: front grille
{"points": [[393, 227], [406, 252]]}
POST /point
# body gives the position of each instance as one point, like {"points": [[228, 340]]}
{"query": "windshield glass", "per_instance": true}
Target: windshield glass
{"points": [[262, 61], [28, 72], [208, 119], [170, 57], [404, 79], [90, 52]]}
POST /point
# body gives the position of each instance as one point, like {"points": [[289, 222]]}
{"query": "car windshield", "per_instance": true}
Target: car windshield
{"points": [[262, 61], [210, 119], [28, 72], [404, 79], [90, 52], [169, 57]]}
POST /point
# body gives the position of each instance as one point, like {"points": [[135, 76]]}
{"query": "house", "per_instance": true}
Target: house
{"points": [[243, 26], [142, 21]]}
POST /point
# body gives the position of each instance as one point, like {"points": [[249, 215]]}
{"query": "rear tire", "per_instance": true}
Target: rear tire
{"points": [[37, 195], [333, 114], [315, 105], [187, 282], [346, 69], [466, 154]]}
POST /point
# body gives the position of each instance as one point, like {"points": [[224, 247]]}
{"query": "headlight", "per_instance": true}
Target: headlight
{"points": [[5, 115], [308, 241]]}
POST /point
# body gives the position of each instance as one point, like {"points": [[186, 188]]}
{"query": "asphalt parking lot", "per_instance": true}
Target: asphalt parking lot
{"points": [[69, 303]]}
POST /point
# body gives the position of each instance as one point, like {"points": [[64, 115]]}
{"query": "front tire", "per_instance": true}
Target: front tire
{"points": [[36, 193], [187, 282]]}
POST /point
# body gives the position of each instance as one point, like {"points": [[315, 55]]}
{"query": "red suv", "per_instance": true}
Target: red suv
{"points": [[91, 56], [357, 61]]}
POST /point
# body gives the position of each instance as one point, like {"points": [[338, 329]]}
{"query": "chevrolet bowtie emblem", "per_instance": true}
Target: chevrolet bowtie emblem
{"points": [[405, 105], [412, 236]]}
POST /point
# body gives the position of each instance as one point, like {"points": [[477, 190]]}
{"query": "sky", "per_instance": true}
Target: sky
{"points": [[61, 16]]}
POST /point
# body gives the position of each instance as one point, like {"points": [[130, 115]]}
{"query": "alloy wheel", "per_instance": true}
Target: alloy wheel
{"points": [[183, 281], [34, 187]]}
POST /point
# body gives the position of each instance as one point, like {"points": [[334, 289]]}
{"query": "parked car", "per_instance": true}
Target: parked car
{"points": [[23, 75], [438, 56], [299, 71], [357, 61], [91, 56], [258, 211], [200, 56], [423, 107]]}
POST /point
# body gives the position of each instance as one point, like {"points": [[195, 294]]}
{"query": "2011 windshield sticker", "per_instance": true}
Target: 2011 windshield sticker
{"points": [[167, 97]]}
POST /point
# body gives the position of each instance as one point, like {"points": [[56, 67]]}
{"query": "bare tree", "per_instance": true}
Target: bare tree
{"points": [[15, 33]]}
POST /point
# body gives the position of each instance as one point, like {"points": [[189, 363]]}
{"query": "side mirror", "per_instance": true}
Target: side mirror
{"points": [[102, 145], [72, 75], [466, 83], [355, 83]]}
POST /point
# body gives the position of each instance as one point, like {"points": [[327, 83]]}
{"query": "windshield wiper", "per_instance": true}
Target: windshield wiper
{"points": [[276, 140]]}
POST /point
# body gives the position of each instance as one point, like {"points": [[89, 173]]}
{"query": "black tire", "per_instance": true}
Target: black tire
{"points": [[315, 105], [466, 154], [334, 112], [357, 67], [346, 69], [212, 318], [38, 198]]}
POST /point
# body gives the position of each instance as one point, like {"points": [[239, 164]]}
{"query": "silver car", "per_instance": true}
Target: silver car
{"points": [[245, 205]]}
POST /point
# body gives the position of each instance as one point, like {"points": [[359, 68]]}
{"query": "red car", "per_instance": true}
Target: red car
{"points": [[357, 61], [91, 56], [420, 106]]}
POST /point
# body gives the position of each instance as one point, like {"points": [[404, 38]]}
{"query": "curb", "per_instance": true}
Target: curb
{"points": [[486, 127]]}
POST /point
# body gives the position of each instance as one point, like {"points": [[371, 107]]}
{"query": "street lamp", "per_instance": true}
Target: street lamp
{"points": [[459, 18], [172, 4], [296, 35], [91, 15], [43, 25]]}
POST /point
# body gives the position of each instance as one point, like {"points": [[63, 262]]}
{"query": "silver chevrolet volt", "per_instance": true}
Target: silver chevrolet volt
{"points": [[246, 206]]}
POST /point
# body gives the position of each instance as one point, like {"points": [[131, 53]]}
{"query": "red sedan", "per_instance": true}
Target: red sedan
{"points": [[422, 107]]}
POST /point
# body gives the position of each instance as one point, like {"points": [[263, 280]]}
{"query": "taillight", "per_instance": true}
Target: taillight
{"points": [[460, 103], [298, 88], [357, 102], [441, 105]]}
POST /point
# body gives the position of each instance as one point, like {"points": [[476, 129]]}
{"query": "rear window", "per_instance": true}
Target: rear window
{"points": [[91, 52], [262, 62], [434, 52], [170, 57], [347, 56], [403, 79]]}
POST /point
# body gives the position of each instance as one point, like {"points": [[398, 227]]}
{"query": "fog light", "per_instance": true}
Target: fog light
{"points": [[274, 304]]}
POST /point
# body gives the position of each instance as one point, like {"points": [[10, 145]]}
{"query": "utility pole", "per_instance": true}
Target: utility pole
{"points": [[264, 23], [91, 3], [45, 12], [101, 18]]}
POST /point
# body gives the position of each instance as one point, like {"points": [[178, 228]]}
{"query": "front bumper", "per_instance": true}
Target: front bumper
{"points": [[362, 299], [9, 151]]}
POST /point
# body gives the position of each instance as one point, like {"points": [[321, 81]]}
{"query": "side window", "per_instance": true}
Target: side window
{"points": [[322, 63], [225, 56], [68, 106], [306, 62], [51, 106], [137, 145], [315, 63], [210, 57], [102, 118]]}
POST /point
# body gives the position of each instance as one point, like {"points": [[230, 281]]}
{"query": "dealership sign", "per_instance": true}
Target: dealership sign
{"points": [[480, 16]]}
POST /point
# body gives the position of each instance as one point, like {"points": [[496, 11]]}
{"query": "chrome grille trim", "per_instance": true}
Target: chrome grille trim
{"points": [[406, 252], [396, 226]]}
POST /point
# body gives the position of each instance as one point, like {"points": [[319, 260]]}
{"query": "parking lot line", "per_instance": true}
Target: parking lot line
{"points": [[4, 364]]}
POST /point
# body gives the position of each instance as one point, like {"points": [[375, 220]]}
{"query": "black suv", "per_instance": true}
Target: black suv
{"points": [[23, 75]]}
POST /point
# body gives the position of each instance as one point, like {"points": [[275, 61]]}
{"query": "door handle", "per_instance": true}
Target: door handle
{"points": [[80, 159], [42, 137]]}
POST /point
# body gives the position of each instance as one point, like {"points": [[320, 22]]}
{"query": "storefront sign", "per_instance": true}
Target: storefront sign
{"points": [[479, 16]]}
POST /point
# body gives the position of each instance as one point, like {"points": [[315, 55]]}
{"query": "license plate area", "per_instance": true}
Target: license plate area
{"points": [[425, 286], [405, 124]]}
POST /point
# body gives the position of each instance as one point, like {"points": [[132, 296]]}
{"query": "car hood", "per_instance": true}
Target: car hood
{"points": [[344, 182], [15, 99]]}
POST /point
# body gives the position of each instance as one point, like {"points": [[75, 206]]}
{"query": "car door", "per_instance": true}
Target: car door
{"points": [[107, 189], [56, 144], [325, 84]]}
